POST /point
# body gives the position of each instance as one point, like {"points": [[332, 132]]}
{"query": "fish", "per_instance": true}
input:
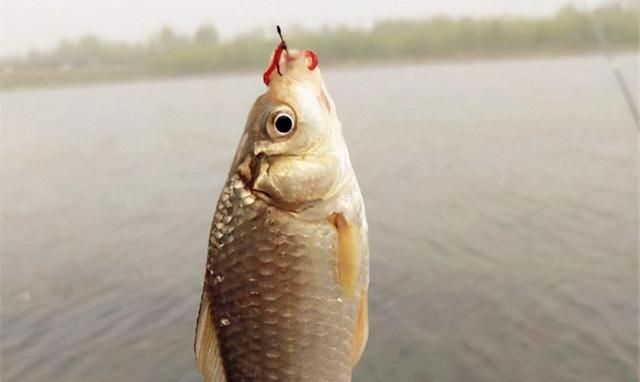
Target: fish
{"points": [[287, 273]]}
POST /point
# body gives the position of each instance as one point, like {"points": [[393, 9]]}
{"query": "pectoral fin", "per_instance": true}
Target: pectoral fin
{"points": [[348, 261], [361, 332], [206, 345]]}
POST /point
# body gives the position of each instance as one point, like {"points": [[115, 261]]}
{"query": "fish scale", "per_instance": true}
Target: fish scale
{"points": [[261, 312]]}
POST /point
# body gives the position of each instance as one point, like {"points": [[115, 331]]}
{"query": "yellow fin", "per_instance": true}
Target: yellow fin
{"points": [[206, 345], [348, 261], [361, 332]]}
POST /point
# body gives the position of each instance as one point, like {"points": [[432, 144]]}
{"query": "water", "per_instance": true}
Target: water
{"points": [[502, 201]]}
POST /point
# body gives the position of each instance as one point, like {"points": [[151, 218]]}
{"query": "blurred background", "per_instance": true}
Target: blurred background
{"points": [[495, 148]]}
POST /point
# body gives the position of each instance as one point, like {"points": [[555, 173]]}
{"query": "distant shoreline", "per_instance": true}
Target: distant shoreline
{"points": [[79, 78], [167, 54]]}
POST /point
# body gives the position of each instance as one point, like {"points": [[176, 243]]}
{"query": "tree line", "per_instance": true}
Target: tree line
{"points": [[167, 52]]}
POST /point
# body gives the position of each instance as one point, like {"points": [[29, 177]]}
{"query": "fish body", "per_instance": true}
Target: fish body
{"points": [[287, 272]]}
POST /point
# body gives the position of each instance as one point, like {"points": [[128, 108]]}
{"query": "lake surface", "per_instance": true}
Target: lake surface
{"points": [[503, 211]]}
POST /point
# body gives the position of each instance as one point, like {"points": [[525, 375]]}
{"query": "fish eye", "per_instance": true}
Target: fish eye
{"points": [[283, 124]]}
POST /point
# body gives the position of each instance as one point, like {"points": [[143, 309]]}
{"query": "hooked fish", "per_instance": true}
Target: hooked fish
{"points": [[287, 272]]}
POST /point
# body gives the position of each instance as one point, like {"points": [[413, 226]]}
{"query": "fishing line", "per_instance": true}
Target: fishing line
{"points": [[601, 36]]}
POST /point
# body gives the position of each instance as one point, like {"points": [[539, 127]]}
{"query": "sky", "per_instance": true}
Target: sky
{"points": [[41, 24]]}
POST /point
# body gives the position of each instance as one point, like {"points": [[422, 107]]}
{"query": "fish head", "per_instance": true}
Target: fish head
{"points": [[292, 153]]}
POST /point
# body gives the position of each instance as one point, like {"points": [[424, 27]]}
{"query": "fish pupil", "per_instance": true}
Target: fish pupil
{"points": [[283, 124]]}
